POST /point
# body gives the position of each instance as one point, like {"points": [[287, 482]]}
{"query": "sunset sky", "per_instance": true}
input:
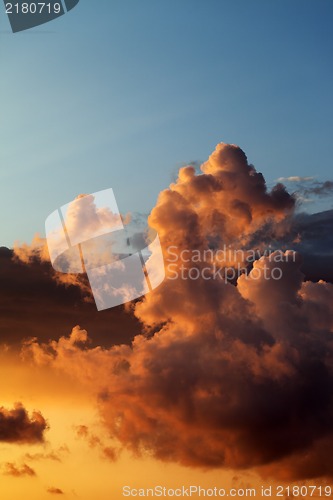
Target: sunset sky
{"points": [[215, 119]]}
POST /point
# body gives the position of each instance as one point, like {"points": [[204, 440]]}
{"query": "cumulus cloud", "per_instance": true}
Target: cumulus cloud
{"points": [[235, 375], [90, 215], [36, 254], [17, 426], [88, 238], [308, 189], [11, 469], [37, 250], [41, 298], [227, 203]]}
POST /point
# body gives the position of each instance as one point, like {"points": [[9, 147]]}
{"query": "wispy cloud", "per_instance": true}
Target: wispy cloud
{"points": [[11, 469], [320, 189], [55, 491], [295, 178], [109, 452]]}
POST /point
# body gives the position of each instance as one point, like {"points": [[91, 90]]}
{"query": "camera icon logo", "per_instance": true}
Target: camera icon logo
{"points": [[27, 14], [123, 262]]}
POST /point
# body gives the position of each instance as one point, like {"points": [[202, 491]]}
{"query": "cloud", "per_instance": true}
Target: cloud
{"points": [[35, 290], [320, 189], [55, 455], [229, 199], [234, 375], [16, 426], [10, 469], [308, 188], [84, 217], [315, 243], [295, 178], [109, 452], [55, 491], [253, 391]]}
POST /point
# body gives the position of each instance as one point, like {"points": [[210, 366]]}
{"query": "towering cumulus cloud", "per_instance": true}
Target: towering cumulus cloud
{"points": [[228, 373]]}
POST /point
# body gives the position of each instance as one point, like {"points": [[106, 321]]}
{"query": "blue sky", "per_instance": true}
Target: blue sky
{"points": [[121, 93]]}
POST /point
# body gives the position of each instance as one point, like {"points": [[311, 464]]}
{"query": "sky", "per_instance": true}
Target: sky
{"points": [[216, 118], [204, 381], [121, 94]]}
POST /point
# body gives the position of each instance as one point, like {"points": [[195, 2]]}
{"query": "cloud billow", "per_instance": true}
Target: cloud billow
{"points": [[226, 375]]}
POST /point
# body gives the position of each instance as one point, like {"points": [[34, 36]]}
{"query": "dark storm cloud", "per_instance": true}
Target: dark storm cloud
{"points": [[230, 376], [16, 426], [30, 298]]}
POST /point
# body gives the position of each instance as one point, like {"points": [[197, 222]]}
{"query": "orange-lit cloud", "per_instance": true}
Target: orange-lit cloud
{"points": [[16, 426], [225, 375], [55, 491], [33, 295]]}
